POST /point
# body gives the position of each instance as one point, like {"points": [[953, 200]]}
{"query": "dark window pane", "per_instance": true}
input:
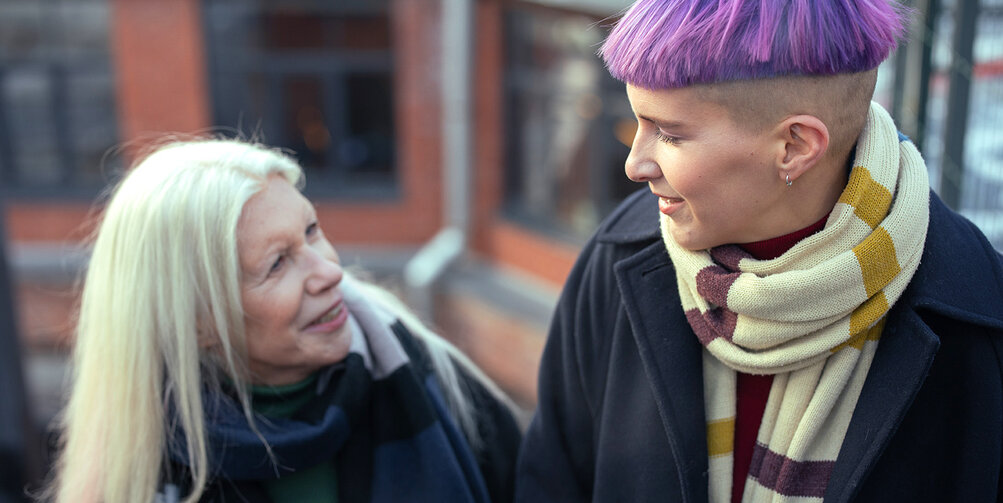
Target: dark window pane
{"points": [[91, 118], [285, 31], [305, 30], [363, 33], [304, 120], [21, 29], [367, 147], [57, 99], [27, 96], [564, 169], [313, 77], [83, 28]]}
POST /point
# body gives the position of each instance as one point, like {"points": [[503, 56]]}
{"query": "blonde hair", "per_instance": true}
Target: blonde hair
{"points": [[164, 277]]}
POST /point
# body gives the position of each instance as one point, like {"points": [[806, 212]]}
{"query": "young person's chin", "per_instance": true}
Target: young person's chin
{"points": [[690, 237]]}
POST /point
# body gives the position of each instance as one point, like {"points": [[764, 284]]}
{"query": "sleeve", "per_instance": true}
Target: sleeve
{"points": [[557, 455]]}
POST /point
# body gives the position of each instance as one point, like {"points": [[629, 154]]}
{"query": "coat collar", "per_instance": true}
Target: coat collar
{"points": [[671, 356], [949, 281], [634, 220], [952, 276]]}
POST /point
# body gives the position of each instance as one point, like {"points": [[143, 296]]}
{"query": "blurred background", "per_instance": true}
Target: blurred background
{"points": [[460, 151]]}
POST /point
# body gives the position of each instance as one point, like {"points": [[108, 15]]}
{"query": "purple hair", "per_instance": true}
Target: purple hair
{"points": [[662, 44]]}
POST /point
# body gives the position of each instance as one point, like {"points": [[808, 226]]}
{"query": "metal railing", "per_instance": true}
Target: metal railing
{"points": [[948, 97]]}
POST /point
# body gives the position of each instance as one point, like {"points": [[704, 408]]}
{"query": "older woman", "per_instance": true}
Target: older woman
{"points": [[222, 353]]}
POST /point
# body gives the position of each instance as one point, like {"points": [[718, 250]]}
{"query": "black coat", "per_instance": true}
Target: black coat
{"points": [[621, 409]]}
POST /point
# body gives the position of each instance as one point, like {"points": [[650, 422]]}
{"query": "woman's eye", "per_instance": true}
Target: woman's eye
{"points": [[312, 229], [277, 264]]}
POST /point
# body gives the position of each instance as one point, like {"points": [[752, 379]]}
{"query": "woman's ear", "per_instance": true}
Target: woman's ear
{"points": [[806, 139]]}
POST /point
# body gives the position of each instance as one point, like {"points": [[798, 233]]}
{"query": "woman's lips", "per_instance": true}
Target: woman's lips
{"points": [[330, 321], [669, 205]]}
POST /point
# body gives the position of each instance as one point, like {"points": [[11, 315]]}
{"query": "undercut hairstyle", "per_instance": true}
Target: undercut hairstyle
{"points": [[840, 101], [661, 44]]}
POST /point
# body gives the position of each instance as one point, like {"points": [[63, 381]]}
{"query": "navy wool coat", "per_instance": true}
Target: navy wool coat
{"points": [[621, 409]]}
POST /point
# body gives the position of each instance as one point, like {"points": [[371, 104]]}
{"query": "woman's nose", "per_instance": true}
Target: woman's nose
{"points": [[640, 165], [325, 273]]}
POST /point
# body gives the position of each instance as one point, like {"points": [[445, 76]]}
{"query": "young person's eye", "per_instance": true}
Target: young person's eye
{"points": [[671, 140]]}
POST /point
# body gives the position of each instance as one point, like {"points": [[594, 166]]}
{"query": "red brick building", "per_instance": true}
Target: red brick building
{"points": [[355, 89]]}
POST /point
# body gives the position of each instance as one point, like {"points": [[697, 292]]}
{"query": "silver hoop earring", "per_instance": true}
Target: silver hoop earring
{"points": [[787, 180]]}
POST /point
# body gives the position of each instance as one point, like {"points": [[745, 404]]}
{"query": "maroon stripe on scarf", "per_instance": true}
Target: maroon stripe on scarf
{"points": [[718, 322], [713, 283], [787, 476], [729, 256]]}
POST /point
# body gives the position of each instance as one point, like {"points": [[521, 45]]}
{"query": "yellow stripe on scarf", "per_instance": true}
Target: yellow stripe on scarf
{"points": [[862, 188], [720, 437], [876, 255], [872, 334], [868, 313]]}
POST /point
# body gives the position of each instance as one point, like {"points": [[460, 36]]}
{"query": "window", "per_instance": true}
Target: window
{"points": [[315, 77], [568, 124], [57, 97]]}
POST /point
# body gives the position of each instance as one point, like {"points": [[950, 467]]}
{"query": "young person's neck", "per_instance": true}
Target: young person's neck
{"points": [[813, 196], [771, 248]]}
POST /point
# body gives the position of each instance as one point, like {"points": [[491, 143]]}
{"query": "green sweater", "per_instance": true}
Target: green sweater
{"points": [[318, 484]]}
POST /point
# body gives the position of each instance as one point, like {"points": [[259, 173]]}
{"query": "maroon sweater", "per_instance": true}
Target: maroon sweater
{"points": [[753, 390]]}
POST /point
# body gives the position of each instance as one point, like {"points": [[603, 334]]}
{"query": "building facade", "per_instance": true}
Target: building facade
{"points": [[355, 90]]}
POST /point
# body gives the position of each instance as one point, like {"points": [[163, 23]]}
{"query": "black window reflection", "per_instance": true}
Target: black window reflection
{"points": [[568, 124], [57, 98], [314, 77]]}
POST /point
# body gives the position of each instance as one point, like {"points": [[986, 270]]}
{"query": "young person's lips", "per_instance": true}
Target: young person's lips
{"points": [[669, 205]]}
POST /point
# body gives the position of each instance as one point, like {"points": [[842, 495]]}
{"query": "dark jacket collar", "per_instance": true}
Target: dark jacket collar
{"points": [[950, 280], [636, 219], [952, 276]]}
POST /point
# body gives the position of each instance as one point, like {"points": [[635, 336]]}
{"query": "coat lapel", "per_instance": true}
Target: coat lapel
{"points": [[900, 366], [950, 281], [670, 354]]}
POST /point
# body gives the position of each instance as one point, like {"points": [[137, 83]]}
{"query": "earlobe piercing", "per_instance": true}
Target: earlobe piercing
{"points": [[787, 180]]}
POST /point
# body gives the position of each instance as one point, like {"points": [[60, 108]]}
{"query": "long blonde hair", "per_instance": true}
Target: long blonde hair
{"points": [[164, 276]]}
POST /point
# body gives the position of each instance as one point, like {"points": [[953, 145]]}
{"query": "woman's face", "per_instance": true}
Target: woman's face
{"points": [[716, 180], [294, 313]]}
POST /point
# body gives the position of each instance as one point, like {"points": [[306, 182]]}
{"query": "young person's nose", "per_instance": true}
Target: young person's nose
{"points": [[640, 165], [325, 273]]}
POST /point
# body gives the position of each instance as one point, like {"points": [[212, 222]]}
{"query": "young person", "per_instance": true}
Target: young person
{"points": [[222, 354], [787, 313]]}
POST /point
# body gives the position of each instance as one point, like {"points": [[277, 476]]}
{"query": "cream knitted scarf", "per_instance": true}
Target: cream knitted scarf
{"points": [[812, 317]]}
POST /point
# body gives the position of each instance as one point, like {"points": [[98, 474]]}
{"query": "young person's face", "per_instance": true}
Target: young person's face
{"points": [[716, 180], [294, 314]]}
